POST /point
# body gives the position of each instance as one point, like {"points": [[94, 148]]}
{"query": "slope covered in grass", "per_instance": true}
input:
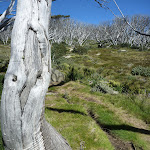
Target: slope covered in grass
{"points": [[93, 119], [112, 64], [83, 116]]}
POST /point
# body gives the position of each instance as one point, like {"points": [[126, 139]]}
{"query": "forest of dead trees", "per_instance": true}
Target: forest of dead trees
{"points": [[115, 32]]}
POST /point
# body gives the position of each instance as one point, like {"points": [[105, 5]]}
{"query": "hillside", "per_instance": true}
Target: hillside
{"points": [[104, 102], [94, 119]]}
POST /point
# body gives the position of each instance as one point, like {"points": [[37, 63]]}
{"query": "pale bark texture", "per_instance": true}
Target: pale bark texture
{"points": [[26, 82]]}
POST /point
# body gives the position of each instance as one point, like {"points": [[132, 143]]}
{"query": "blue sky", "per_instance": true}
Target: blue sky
{"points": [[88, 11]]}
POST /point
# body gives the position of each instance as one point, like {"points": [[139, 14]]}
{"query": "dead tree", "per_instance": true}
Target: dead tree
{"points": [[26, 82]]}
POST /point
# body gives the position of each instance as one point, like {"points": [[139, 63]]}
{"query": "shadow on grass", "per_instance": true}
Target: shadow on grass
{"points": [[109, 128], [65, 110], [124, 127]]}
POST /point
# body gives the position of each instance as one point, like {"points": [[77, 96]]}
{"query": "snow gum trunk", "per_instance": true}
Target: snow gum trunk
{"points": [[26, 82]]}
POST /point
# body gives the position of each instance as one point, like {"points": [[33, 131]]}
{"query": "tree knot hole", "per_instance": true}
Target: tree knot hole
{"points": [[14, 79]]}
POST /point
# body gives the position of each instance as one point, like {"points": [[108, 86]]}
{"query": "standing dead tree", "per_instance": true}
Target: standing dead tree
{"points": [[5, 34], [26, 82]]}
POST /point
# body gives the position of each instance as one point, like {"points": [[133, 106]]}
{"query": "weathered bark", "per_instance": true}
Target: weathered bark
{"points": [[26, 81]]}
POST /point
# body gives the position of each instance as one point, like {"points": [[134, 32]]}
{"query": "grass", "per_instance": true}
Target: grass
{"points": [[77, 120], [4, 52], [77, 127], [112, 64], [89, 119], [138, 105]]}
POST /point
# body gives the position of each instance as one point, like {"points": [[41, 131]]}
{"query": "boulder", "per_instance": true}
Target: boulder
{"points": [[57, 77]]}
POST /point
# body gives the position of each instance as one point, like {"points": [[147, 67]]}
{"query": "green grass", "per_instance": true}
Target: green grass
{"points": [[74, 126], [4, 52], [110, 63], [70, 114], [114, 65], [110, 121], [138, 105]]}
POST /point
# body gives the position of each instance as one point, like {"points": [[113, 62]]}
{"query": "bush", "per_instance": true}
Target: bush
{"points": [[124, 45], [134, 47], [142, 48], [88, 71], [115, 85], [78, 73], [3, 65], [143, 71], [58, 50], [103, 87], [94, 79], [80, 50], [98, 84], [130, 88], [74, 74]]}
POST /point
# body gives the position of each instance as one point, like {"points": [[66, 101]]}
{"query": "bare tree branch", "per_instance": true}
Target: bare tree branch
{"points": [[6, 23], [6, 13], [102, 4], [128, 22]]}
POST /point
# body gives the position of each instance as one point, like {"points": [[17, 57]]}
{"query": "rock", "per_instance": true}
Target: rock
{"points": [[68, 56], [57, 77], [122, 50], [98, 54]]}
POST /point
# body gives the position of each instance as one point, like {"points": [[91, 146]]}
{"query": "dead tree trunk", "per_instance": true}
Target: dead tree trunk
{"points": [[26, 81]]}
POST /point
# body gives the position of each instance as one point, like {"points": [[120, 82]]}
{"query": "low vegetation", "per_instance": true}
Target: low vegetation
{"points": [[142, 71], [80, 50], [96, 119], [105, 100]]}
